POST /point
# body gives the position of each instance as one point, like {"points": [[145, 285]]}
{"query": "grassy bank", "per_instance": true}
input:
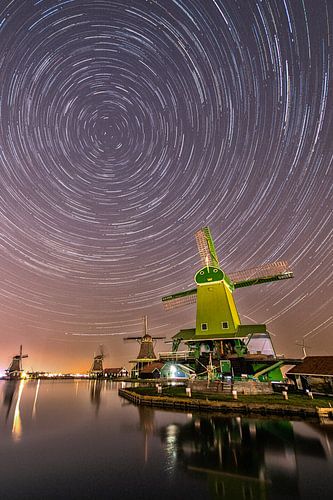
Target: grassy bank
{"points": [[276, 399]]}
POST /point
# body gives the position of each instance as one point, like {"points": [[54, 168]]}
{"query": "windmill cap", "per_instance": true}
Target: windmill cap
{"points": [[209, 274], [146, 338]]}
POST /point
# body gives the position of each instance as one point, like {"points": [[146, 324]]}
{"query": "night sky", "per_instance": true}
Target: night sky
{"points": [[127, 125]]}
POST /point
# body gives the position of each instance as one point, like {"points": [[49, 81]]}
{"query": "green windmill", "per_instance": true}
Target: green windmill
{"points": [[218, 327]]}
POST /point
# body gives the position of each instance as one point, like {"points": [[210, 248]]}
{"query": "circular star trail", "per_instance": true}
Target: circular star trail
{"points": [[127, 125]]}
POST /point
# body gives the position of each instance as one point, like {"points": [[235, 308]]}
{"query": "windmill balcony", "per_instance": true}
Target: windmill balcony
{"points": [[177, 356]]}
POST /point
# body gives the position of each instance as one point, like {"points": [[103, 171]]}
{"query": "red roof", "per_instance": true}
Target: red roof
{"points": [[314, 365], [152, 367]]}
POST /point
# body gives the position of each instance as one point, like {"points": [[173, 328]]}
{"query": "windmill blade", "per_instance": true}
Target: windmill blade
{"points": [[263, 274], [206, 247], [140, 337], [179, 299], [102, 354]]}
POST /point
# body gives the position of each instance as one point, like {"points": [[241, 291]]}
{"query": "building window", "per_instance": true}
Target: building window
{"points": [[204, 326], [225, 325]]}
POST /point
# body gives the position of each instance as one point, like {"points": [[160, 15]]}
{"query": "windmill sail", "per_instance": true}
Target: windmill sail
{"points": [[179, 299], [206, 247], [263, 274]]}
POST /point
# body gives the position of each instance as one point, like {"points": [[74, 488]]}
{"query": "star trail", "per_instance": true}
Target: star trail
{"points": [[127, 125]]}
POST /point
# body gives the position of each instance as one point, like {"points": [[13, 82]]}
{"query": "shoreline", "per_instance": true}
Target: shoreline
{"points": [[226, 407]]}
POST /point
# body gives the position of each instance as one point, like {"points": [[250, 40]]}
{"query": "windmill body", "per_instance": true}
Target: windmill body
{"points": [[218, 330], [216, 308], [97, 369]]}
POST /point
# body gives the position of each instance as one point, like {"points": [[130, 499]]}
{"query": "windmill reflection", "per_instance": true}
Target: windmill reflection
{"points": [[95, 393], [11, 387], [13, 391], [147, 426], [245, 458]]}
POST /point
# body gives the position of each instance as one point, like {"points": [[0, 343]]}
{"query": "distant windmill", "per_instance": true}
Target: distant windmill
{"points": [[146, 354], [304, 347], [15, 369], [96, 369]]}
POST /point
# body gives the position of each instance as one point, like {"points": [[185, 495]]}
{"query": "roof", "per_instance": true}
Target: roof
{"points": [[113, 370], [187, 334], [152, 367], [314, 365]]}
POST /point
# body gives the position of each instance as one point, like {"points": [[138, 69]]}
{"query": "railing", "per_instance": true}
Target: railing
{"points": [[176, 356]]}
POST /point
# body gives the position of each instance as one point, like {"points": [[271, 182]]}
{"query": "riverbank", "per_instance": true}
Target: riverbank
{"points": [[295, 406]]}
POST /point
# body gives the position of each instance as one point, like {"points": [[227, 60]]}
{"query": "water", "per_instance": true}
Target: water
{"points": [[68, 439]]}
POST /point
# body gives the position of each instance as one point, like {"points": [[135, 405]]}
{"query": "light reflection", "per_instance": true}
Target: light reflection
{"points": [[244, 458], [17, 424], [35, 400], [171, 447]]}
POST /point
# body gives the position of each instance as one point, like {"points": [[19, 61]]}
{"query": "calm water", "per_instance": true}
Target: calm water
{"points": [[79, 440]]}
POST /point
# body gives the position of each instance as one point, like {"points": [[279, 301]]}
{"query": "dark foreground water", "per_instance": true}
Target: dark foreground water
{"points": [[79, 440]]}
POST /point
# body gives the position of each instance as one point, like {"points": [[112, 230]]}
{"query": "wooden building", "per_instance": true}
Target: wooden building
{"points": [[314, 373], [115, 373]]}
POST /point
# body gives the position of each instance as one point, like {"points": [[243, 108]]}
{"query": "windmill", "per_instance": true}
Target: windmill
{"points": [[218, 327], [15, 369], [97, 369], [146, 353]]}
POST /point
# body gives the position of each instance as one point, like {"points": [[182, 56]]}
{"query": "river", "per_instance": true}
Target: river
{"points": [[77, 439]]}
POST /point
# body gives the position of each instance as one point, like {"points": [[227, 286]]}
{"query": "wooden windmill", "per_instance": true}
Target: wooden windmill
{"points": [[147, 352], [15, 369], [218, 326]]}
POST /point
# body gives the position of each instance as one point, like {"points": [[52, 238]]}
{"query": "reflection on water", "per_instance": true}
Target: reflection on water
{"points": [[95, 393], [85, 442], [248, 459], [17, 426], [147, 426], [14, 388], [10, 387], [35, 400]]}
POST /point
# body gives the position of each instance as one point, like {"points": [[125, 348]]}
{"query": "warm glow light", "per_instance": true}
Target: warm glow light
{"points": [[17, 424], [35, 400]]}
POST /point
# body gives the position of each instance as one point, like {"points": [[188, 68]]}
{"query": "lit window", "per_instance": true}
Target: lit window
{"points": [[204, 326], [225, 325]]}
